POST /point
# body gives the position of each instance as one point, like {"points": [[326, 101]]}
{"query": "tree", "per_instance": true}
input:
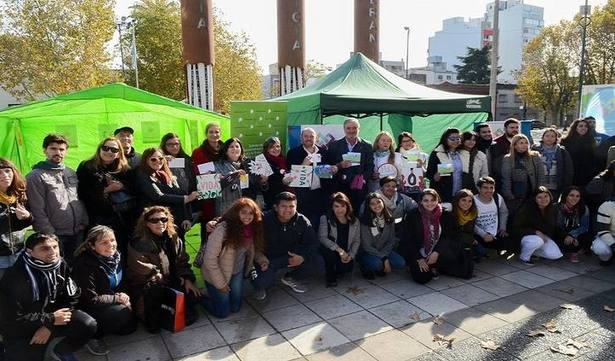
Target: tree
{"points": [[50, 47], [159, 47], [315, 70], [547, 80], [476, 67], [600, 60]]}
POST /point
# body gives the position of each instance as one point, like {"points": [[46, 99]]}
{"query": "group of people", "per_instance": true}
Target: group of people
{"points": [[109, 238]]}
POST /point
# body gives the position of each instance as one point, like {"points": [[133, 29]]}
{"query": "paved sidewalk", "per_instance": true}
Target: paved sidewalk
{"points": [[392, 318]]}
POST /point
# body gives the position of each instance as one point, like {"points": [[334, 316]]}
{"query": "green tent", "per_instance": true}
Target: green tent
{"points": [[363, 89], [88, 116]]}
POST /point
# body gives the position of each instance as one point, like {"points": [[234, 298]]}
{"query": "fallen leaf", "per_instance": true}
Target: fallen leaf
{"points": [[567, 306], [608, 308], [551, 326], [415, 316], [319, 339], [443, 340], [438, 320], [354, 290], [536, 333], [489, 345], [566, 290], [577, 344], [566, 350]]}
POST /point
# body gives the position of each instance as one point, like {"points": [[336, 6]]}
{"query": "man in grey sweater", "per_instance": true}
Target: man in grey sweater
{"points": [[52, 197]]}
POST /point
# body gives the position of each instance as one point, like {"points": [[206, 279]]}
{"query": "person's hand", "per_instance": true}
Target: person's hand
{"points": [[225, 289], [488, 238], [186, 225], [568, 240], [62, 316], [433, 258], [346, 258], [423, 266], [123, 298], [41, 336], [307, 160], [241, 172], [502, 233], [345, 164], [542, 235], [190, 287], [294, 260], [113, 186], [210, 226], [157, 277], [437, 177], [21, 212], [387, 266], [334, 169], [191, 197], [264, 266]]}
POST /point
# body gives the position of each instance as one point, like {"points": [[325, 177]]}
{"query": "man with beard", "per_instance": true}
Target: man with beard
{"points": [[37, 298], [501, 147], [485, 138], [52, 197]]}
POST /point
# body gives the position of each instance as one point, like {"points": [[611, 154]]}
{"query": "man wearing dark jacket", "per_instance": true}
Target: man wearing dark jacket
{"points": [[36, 304], [351, 179], [126, 136], [501, 147], [290, 242]]}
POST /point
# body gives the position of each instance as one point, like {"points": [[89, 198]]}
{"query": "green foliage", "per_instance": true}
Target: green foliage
{"points": [[50, 47], [600, 60], [476, 68]]}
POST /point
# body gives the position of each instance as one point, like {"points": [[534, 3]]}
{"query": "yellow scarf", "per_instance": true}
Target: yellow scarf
{"points": [[6, 199], [465, 217]]}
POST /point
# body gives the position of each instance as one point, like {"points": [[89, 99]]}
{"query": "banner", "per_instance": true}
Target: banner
{"points": [[208, 186]]}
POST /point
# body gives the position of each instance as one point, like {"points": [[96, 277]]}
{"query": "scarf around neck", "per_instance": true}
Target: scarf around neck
{"points": [[431, 227], [162, 176], [213, 154], [391, 204], [49, 273], [549, 154], [278, 161], [465, 217], [7, 199]]}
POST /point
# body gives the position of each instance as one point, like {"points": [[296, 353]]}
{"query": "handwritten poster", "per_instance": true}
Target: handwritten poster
{"points": [[301, 176], [208, 186], [412, 175]]}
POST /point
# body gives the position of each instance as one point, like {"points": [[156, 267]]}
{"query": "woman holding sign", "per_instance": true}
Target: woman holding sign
{"points": [[276, 182], [447, 170], [229, 256], [476, 160], [387, 163], [180, 163]]}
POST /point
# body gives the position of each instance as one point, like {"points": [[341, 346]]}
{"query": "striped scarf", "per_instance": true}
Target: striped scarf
{"points": [[49, 271]]}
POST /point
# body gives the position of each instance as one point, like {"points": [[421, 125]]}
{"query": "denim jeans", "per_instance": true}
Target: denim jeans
{"points": [[222, 304], [374, 263]]}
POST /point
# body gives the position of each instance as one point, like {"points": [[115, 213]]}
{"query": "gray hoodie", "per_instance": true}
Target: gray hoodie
{"points": [[52, 198]]}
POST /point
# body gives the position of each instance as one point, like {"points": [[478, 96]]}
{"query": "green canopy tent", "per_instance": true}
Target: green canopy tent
{"points": [[88, 116], [363, 89]]}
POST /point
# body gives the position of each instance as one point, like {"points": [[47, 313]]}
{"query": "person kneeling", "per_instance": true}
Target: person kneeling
{"points": [[604, 244], [98, 273], [340, 237], [157, 260], [229, 255], [378, 240], [37, 297]]}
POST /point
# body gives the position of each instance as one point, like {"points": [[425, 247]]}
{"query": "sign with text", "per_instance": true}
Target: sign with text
{"points": [[208, 186], [301, 176]]}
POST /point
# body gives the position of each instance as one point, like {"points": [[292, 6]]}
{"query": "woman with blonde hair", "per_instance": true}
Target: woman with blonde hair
{"points": [[229, 256], [157, 260], [98, 272], [106, 189], [384, 154], [14, 217], [522, 172], [559, 169]]}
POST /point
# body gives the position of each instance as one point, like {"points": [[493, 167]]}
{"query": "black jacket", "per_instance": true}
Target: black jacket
{"points": [[20, 314], [297, 236], [529, 220], [308, 200], [154, 193], [345, 176], [9, 223], [414, 226], [90, 276]]}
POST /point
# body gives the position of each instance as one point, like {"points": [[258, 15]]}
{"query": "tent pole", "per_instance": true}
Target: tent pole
{"points": [[381, 122]]}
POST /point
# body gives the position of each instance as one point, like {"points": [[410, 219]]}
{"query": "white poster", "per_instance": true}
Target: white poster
{"points": [[301, 176]]}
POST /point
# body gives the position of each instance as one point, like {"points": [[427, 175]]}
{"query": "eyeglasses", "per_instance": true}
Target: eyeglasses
{"points": [[106, 148], [158, 220], [156, 159], [407, 140], [176, 144], [454, 139]]}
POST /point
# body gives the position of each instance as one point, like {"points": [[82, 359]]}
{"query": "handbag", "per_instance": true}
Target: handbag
{"points": [[122, 201], [357, 182], [173, 310]]}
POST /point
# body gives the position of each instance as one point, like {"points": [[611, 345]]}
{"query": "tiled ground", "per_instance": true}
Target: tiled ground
{"points": [[392, 318]]}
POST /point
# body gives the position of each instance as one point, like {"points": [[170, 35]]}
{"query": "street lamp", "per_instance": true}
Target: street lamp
{"points": [[407, 28], [584, 23]]}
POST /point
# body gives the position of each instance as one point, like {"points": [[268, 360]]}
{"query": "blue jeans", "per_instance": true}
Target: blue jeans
{"points": [[222, 304], [374, 263]]}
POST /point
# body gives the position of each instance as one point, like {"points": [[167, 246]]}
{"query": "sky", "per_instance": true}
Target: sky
{"points": [[329, 24]]}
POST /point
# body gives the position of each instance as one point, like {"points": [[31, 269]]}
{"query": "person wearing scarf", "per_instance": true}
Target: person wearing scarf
{"points": [[99, 274], [463, 248], [378, 241], [573, 223], [277, 182], [559, 170], [428, 228], [37, 299]]}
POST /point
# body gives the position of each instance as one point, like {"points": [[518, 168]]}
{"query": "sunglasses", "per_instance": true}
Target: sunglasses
{"points": [[158, 220], [106, 148], [154, 159]]}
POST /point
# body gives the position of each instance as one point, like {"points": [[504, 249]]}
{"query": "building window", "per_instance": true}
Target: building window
{"points": [[502, 98], [440, 77], [448, 77]]}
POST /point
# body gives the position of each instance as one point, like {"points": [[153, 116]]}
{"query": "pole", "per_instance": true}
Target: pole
{"points": [[407, 28], [493, 80], [134, 55], [584, 24], [119, 30]]}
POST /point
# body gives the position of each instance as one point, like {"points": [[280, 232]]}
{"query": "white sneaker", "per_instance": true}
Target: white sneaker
{"points": [[294, 285], [97, 347], [260, 294]]}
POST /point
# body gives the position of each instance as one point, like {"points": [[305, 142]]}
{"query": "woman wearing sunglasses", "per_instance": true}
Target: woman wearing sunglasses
{"points": [[157, 260], [158, 186], [105, 189]]}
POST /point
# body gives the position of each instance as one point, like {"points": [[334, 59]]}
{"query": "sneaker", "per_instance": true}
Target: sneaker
{"points": [[62, 357], [97, 347], [294, 285], [529, 262], [574, 257], [435, 273], [260, 294]]}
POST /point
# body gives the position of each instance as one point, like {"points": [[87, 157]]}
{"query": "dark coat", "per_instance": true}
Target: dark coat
{"points": [[565, 166], [582, 153], [310, 201], [297, 236], [153, 193], [11, 243], [20, 314], [345, 176], [414, 226], [529, 220], [90, 276]]}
